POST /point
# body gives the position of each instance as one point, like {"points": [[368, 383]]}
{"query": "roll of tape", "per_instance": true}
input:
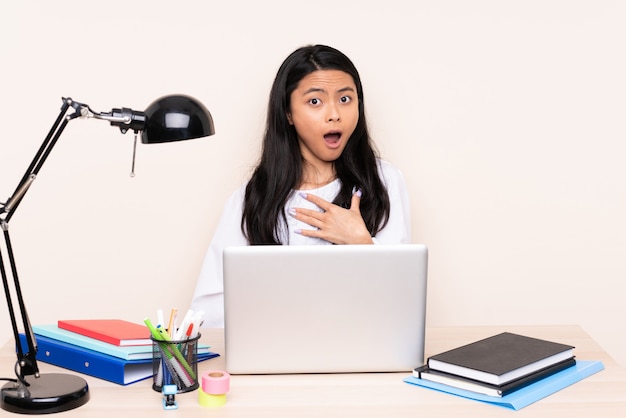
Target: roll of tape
{"points": [[210, 401], [215, 382]]}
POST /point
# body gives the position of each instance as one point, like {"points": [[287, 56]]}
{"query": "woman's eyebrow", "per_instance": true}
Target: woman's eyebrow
{"points": [[319, 89], [314, 90]]}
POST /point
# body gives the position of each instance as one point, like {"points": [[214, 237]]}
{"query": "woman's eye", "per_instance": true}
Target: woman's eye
{"points": [[345, 99], [314, 101]]}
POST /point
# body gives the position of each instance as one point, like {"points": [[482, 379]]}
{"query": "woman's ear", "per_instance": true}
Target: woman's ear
{"points": [[289, 119]]}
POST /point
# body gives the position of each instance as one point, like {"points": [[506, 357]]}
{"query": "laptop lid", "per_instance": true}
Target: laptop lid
{"points": [[324, 309]]}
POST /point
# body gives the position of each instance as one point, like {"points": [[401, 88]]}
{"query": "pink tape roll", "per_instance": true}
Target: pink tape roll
{"points": [[216, 382]]}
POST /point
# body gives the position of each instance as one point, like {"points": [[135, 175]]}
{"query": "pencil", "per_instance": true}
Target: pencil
{"points": [[170, 327]]}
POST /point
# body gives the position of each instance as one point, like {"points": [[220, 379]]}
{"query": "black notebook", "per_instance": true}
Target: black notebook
{"points": [[501, 359], [459, 382]]}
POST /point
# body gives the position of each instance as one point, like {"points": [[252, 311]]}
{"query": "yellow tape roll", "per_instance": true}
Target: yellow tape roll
{"points": [[210, 401]]}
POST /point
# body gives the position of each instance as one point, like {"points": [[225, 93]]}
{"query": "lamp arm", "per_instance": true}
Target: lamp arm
{"points": [[40, 157], [26, 360]]}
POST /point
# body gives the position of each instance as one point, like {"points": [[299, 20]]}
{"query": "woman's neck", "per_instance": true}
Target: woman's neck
{"points": [[316, 177]]}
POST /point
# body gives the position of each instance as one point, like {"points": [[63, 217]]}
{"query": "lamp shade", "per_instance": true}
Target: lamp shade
{"points": [[176, 118]]}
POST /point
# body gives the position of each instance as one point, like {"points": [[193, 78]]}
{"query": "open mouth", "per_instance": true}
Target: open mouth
{"points": [[332, 137]]}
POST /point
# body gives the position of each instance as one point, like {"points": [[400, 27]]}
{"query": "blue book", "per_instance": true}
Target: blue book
{"points": [[526, 395], [136, 352], [94, 363]]}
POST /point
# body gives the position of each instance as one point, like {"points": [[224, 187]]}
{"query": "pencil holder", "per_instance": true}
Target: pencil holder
{"points": [[175, 363]]}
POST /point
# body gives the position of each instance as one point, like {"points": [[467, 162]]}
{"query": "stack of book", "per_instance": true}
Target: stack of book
{"points": [[499, 368], [111, 349]]}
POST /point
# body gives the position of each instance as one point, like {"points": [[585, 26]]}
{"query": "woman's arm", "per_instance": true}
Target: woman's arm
{"points": [[209, 292], [398, 228]]}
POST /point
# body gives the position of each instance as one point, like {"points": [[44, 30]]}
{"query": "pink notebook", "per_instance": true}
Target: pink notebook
{"points": [[113, 331]]}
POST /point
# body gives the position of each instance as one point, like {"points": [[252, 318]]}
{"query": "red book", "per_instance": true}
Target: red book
{"points": [[112, 331]]}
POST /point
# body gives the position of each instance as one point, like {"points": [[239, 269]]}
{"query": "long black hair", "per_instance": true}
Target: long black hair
{"points": [[279, 170]]}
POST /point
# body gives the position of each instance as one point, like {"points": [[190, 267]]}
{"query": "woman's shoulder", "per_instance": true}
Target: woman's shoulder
{"points": [[234, 201], [388, 171], [385, 165]]}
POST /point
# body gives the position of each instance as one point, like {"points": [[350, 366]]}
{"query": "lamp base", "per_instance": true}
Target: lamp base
{"points": [[49, 393]]}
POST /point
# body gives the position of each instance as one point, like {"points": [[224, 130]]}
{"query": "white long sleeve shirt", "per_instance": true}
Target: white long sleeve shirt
{"points": [[209, 292]]}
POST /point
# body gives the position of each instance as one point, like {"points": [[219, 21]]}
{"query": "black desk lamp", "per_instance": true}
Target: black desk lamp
{"points": [[170, 118]]}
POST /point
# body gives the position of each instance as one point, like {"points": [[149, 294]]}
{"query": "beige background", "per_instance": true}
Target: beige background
{"points": [[506, 117]]}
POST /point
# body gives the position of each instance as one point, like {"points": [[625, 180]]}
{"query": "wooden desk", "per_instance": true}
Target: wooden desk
{"points": [[359, 395]]}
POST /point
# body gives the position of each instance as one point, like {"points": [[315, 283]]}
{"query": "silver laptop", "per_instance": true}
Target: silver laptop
{"points": [[324, 309]]}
